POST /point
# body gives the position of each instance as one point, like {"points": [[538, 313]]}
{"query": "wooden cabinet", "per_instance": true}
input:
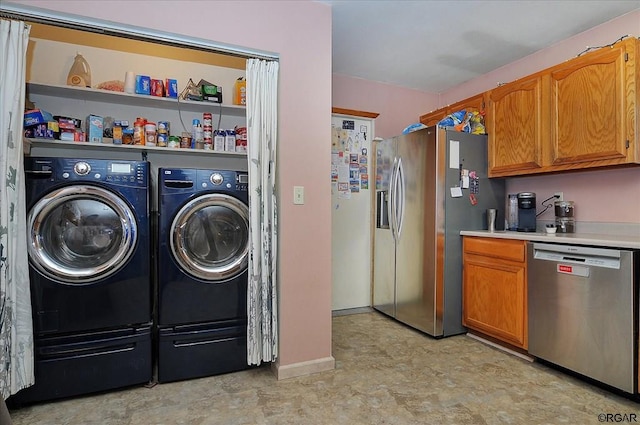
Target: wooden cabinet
{"points": [[494, 300], [474, 103], [434, 117], [593, 108], [516, 129], [577, 115]]}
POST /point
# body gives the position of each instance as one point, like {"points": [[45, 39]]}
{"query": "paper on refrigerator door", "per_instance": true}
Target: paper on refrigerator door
{"points": [[343, 181], [456, 192], [454, 154]]}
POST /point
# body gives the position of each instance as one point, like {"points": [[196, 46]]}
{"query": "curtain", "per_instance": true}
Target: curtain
{"points": [[16, 332], [262, 135]]}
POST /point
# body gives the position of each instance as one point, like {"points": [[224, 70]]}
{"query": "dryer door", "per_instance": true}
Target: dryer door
{"points": [[80, 234], [210, 237]]}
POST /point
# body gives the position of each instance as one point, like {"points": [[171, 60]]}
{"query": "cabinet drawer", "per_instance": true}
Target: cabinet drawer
{"points": [[507, 249]]}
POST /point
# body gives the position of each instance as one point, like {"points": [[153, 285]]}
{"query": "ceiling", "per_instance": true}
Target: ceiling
{"points": [[433, 45]]}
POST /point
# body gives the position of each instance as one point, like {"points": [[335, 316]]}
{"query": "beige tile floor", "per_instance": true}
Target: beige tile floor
{"points": [[385, 373]]}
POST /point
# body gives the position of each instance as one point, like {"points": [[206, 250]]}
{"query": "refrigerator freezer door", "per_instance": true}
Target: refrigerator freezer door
{"points": [[384, 245], [456, 214], [413, 306]]}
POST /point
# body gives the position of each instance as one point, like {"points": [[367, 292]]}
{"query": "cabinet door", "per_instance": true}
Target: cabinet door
{"points": [[494, 299], [494, 295], [592, 108], [516, 127]]}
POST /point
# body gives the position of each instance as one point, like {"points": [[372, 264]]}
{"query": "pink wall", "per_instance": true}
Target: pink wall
{"points": [[300, 32], [558, 53], [398, 107], [600, 195]]}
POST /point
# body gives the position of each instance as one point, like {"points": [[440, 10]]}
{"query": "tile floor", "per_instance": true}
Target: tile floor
{"points": [[385, 373]]}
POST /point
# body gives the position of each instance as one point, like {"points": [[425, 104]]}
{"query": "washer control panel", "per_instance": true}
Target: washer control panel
{"points": [[131, 173]]}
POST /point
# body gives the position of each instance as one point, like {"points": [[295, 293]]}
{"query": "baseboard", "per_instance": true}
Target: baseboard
{"points": [[348, 311], [501, 347], [303, 368]]}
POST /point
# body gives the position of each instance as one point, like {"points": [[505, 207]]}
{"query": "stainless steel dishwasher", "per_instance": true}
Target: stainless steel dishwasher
{"points": [[583, 310]]}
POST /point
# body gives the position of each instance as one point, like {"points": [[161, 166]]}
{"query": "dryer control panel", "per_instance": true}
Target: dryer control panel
{"points": [[186, 180]]}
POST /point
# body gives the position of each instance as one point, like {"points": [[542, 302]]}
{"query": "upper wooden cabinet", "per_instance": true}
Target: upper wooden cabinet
{"points": [[593, 99], [475, 103], [516, 128], [577, 115], [434, 117]]}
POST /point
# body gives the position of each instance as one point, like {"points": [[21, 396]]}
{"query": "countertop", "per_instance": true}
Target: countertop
{"points": [[593, 239]]}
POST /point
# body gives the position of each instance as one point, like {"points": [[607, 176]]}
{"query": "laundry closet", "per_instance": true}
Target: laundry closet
{"points": [[138, 254]]}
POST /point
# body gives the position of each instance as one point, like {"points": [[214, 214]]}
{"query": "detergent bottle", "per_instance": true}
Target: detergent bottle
{"points": [[80, 72]]}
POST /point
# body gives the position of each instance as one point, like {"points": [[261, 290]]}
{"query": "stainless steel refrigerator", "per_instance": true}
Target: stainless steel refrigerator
{"points": [[430, 184]]}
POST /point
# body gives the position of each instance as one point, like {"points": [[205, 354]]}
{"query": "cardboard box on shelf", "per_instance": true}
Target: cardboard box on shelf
{"points": [[48, 130], [95, 125], [36, 116], [157, 88], [171, 88], [117, 135], [241, 139], [72, 136], [210, 92], [143, 84]]}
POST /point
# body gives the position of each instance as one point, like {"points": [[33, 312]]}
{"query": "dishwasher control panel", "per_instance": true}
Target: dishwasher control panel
{"points": [[596, 257]]}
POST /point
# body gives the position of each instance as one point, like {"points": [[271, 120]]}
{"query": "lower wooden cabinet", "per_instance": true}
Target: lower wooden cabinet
{"points": [[494, 300]]}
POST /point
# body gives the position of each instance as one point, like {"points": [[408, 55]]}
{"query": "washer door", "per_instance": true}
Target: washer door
{"points": [[210, 237], [80, 234]]}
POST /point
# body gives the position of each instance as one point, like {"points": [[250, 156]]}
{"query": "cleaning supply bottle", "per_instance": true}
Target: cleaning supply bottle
{"points": [[80, 72], [197, 141]]}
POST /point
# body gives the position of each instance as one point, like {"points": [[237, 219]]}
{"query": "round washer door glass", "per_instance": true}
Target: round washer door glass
{"points": [[210, 237], [80, 234]]}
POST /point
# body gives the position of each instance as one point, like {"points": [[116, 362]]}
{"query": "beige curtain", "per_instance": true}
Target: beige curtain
{"points": [[16, 332], [262, 128]]}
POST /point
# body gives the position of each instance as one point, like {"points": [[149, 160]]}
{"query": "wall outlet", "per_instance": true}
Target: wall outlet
{"points": [[298, 195], [561, 196]]}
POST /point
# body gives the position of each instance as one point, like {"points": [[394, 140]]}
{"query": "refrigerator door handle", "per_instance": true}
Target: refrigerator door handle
{"points": [[400, 181], [392, 199]]}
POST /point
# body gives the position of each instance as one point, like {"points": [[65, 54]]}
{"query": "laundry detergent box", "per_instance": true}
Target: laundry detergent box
{"points": [[36, 116], [94, 128]]}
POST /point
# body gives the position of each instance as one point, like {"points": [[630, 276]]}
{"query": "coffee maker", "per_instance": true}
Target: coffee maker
{"points": [[526, 212]]}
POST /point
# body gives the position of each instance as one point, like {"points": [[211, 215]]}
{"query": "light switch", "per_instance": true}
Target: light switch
{"points": [[298, 195]]}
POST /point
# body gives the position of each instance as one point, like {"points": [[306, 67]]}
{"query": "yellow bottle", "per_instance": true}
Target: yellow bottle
{"points": [[240, 92], [80, 72]]}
